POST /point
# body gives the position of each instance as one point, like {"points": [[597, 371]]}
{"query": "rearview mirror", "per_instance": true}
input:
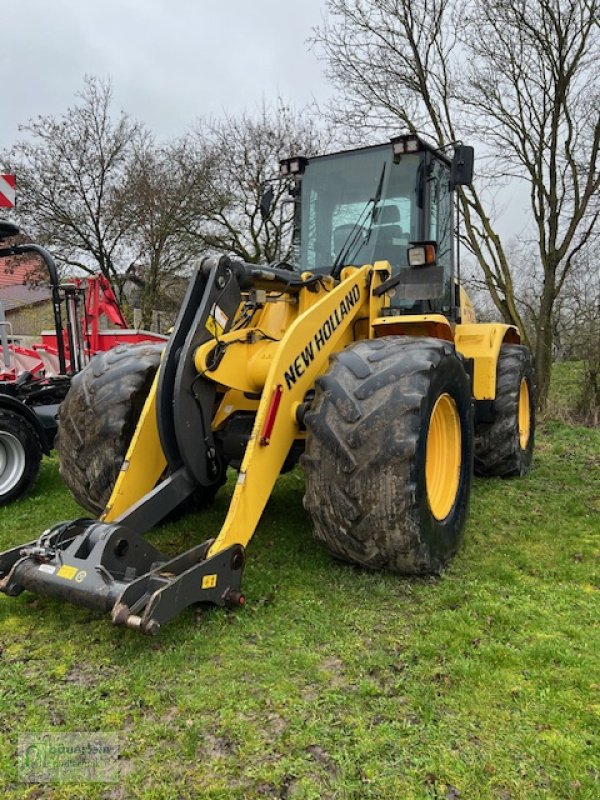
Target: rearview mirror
{"points": [[461, 171], [266, 201]]}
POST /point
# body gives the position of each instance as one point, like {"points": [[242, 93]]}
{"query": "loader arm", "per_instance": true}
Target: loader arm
{"points": [[300, 357], [296, 361]]}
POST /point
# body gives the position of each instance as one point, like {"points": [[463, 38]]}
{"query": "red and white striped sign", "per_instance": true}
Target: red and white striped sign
{"points": [[7, 191]]}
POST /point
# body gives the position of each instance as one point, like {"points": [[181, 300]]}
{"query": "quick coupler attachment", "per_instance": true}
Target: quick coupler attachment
{"points": [[110, 568]]}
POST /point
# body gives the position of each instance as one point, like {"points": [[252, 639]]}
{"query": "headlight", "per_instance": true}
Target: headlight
{"points": [[421, 255]]}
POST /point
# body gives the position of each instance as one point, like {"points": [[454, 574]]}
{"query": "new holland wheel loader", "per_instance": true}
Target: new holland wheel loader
{"points": [[362, 358]]}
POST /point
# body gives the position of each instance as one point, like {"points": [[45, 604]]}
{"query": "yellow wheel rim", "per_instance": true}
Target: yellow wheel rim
{"points": [[443, 457], [524, 415]]}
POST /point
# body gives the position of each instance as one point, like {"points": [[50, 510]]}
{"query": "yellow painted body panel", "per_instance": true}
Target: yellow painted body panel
{"points": [[245, 365], [482, 343], [144, 463], [382, 269], [249, 352], [233, 400]]}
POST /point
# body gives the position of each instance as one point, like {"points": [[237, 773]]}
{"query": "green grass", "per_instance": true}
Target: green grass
{"points": [[333, 682]]}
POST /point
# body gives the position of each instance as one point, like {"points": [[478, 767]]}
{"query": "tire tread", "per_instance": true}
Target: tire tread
{"points": [[361, 488]]}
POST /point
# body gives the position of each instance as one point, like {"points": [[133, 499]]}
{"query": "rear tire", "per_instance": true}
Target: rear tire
{"points": [[98, 418], [377, 469], [20, 456], [504, 448]]}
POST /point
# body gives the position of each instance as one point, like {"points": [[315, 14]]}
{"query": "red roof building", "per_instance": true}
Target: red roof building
{"points": [[19, 271], [25, 295]]}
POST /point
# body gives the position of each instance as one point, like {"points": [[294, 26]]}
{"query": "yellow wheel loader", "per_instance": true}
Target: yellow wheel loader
{"points": [[361, 358]]}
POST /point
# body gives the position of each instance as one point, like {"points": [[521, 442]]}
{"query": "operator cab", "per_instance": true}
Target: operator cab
{"points": [[371, 204]]}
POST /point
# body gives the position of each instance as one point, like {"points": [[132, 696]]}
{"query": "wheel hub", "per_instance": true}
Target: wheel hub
{"points": [[12, 462], [443, 457], [524, 414]]}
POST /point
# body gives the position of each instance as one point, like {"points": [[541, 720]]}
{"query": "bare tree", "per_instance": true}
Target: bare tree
{"points": [[249, 148], [525, 274], [519, 74], [70, 171], [533, 93], [167, 193]]}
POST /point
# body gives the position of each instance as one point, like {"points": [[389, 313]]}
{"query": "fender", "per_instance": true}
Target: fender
{"points": [[482, 343], [435, 325]]}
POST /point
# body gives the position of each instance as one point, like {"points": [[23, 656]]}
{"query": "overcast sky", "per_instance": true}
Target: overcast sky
{"points": [[170, 61]]}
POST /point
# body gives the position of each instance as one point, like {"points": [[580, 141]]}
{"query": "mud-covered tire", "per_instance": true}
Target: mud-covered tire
{"points": [[97, 419], [504, 448], [20, 456], [367, 450]]}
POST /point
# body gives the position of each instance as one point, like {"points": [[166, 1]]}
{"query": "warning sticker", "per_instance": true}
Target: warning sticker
{"points": [[47, 568], [209, 581], [220, 316], [67, 572], [217, 321]]}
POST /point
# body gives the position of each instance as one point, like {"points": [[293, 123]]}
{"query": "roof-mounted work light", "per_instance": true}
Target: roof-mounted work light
{"points": [[408, 143], [292, 166]]}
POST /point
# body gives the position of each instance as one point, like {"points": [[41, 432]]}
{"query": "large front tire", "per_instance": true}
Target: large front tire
{"points": [[504, 448], [98, 417], [389, 454]]}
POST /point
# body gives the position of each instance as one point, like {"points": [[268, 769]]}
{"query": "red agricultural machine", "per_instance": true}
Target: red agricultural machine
{"points": [[34, 380]]}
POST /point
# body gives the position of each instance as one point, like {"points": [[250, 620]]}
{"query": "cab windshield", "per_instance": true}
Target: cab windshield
{"points": [[340, 222]]}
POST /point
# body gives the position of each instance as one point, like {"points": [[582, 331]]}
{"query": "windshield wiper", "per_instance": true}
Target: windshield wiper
{"points": [[357, 231]]}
